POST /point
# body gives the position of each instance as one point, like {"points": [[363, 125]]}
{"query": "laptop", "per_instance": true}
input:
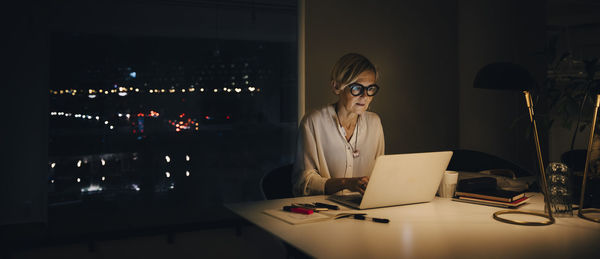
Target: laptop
{"points": [[400, 179]]}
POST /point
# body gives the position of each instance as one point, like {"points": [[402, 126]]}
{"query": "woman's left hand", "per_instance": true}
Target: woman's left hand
{"points": [[357, 184]]}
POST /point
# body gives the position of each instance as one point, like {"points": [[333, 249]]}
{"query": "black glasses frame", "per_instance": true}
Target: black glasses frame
{"points": [[362, 89]]}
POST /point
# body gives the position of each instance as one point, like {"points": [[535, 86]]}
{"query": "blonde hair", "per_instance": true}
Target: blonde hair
{"points": [[348, 67]]}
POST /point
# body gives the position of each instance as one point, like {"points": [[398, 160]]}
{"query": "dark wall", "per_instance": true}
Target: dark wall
{"points": [[25, 118], [498, 31]]}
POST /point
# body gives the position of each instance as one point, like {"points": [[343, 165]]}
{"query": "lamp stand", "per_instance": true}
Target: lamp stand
{"points": [[544, 185], [582, 211]]}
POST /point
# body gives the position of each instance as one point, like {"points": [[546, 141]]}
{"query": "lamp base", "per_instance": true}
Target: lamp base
{"points": [[497, 217], [589, 210]]}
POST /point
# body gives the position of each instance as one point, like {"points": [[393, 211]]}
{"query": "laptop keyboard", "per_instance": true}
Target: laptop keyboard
{"points": [[353, 199], [356, 200]]}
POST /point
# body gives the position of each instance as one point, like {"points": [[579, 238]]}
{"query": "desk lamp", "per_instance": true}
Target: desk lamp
{"points": [[509, 76], [581, 210]]}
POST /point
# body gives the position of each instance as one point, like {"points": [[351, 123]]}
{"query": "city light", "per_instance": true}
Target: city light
{"points": [[92, 188], [135, 187], [124, 91], [172, 91]]}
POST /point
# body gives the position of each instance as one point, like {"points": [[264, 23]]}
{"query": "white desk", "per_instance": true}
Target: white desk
{"points": [[439, 229]]}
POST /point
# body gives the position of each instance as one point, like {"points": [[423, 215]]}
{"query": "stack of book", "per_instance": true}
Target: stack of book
{"points": [[492, 197]]}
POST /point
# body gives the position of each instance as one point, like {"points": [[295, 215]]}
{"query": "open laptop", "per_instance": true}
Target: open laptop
{"points": [[400, 179]]}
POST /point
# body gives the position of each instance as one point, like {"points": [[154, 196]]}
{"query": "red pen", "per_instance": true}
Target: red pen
{"points": [[297, 210]]}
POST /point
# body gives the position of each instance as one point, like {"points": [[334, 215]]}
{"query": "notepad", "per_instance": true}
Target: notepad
{"points": [[296, 218]]}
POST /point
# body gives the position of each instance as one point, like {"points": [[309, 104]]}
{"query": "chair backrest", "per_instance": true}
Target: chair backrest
{"points": [[277, 184], [475, 161], [574, 159]]}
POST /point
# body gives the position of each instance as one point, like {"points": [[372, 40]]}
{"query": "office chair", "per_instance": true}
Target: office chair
{"points": [[475, 161], [574, 159], [277, 184]]}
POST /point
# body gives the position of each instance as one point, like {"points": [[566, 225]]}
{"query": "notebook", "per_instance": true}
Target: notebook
{"points": [[296, 218], [400, 179]]}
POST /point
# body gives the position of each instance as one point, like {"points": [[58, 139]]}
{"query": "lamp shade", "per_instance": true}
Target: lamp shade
{"points": [[504, 76]]}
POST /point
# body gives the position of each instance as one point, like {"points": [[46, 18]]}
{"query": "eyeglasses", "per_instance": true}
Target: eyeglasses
{"points": [[357, 89]]}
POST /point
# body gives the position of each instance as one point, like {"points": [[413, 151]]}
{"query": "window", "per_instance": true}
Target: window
{"points": [[154, 130]]}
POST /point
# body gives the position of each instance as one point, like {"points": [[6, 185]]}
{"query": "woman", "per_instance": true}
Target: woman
{"points": [[338, 144]]}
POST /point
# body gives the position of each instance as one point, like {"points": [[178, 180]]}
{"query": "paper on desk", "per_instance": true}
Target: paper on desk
{"points": [[296, 218]]}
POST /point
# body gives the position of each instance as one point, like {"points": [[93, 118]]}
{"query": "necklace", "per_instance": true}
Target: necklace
{"points": [[355, 152]]}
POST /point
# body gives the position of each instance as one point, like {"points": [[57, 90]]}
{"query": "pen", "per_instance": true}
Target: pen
{"points": [[378, 220], [309, 206], [297, 210], [325, 205]]}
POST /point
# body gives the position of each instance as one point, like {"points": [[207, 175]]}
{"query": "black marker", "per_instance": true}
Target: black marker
{"points": [[325, 205], [378, 220]]}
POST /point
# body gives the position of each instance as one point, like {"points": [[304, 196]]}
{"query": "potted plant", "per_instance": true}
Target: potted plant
{"points": [[569, 93]]}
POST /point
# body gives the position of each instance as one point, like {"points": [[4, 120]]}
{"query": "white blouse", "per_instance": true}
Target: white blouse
{"points": [[324, 153]]}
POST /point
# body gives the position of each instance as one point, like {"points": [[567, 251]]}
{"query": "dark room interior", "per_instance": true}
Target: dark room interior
{"points": [[131, 125]]}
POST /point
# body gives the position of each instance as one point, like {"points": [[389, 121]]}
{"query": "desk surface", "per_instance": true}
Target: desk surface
{"points": [[441, 228]]}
